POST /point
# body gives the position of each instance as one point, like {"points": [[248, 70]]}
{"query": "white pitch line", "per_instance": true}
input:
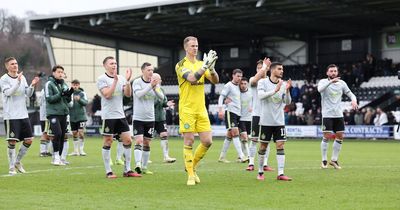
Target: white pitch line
{"points": [[56, 168]]}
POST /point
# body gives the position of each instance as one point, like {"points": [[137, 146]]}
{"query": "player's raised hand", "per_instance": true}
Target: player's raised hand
{"points": [[115, 75], [153, 82], [128, 74], [20, 75], [278, 86], [288, 84], [335, 79], [266, 64], [35, 81]]}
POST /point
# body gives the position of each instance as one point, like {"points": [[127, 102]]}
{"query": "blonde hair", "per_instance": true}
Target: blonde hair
{"points": [[187, 39]]}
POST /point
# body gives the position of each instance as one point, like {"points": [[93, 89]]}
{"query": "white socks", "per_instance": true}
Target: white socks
{"points": [[337, 146]]}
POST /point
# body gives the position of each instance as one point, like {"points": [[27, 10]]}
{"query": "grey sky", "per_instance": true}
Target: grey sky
{"points": [[50, 7]]}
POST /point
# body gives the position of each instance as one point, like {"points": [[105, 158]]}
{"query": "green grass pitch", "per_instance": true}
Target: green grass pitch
{"points": [[370, 179]]}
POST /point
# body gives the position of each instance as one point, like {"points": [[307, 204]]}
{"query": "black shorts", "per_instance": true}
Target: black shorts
{"points": [[160, 126], [255, 127], [333, 124], [277, 133], [45, 126], [231, 120], [75, 126], [245, 126], [143, 128], [114, 126], [18, 130]]}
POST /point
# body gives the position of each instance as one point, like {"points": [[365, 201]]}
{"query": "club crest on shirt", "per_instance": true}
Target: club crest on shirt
{"points": [[186, 126]]}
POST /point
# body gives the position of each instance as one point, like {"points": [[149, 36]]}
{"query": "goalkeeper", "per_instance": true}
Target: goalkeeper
{"points": [[193, 116]]}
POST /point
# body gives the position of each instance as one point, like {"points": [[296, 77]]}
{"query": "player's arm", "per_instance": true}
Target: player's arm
{"points": [[29, 90], [9, 90], [351, 95], [224, 93], [138, 91], [261, 73], [127, 87], [158, 92], [52, 96], [288, 99], [264, 93], [323, 84], [83, 100], [108, 91]]}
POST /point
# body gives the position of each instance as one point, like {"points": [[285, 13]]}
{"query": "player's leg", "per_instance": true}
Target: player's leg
{"points": [[81, 136], [127, 145], [237, 144], [254, 134], [244, 143], [279, 136], [327, 128], [225, 147], [107, 131], [43, 140], [261, 155], [266, 165], [188, 140], [11, 139], [58, 139], [201, 151], [161, 128], [65, 146], [337, 144], [120, 150], [227, 140], [27, 136], [138, 131], [75, 137], [146, 155]]}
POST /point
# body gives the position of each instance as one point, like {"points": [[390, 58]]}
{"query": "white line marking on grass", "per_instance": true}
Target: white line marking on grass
{"points": [[56, 168]]}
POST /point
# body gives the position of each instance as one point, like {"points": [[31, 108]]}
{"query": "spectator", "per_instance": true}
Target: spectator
{"points": [[359, 117], [309, 117], [380, 117], [368, 116], [295, 93]]}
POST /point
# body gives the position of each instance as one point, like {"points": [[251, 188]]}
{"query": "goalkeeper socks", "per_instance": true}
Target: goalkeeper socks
{"points": [[252, 152], [138, 154], [128, 157], [146, 156], [267, 154], [120, 150], [280, 159], [164, 146], [188, 158], [261, 157], [106, 158], [22, 151], [225, 147], [11, 155], [337, 146], [201, 150], [238, 147], [324, 148]]}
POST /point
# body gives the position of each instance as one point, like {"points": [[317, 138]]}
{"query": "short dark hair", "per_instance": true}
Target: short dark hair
{"points": [[274, 64], [235, 71], [75, 81], [331, 66], [107, 58], [244, 79], [8, 59], [144, 65], [57, 67]]}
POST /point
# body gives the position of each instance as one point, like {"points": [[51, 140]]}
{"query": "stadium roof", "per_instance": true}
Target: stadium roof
{"points": [[220, 22]]}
